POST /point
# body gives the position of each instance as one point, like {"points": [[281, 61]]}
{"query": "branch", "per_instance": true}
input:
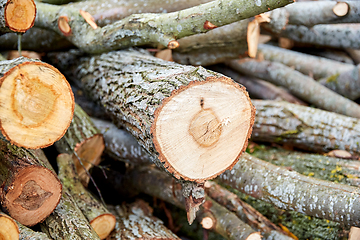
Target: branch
{"points": [[300, 85], [141, 29], [305, 127], [292, 191]]}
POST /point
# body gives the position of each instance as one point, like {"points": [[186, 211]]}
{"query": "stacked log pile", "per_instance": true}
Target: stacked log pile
{"points": [[241, 115]]}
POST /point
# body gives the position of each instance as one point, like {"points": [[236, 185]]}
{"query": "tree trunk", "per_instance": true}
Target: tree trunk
{"points": [[85, 139], [135, 221], [37, 103], [16, 15], [29, 189], [185, 117], [99, 217]]}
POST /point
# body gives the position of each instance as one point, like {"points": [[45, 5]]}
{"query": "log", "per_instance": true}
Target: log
{"points": [[245, 212], [121, 145], [290, 190], [29, 189], [305, 128], [257, 88], [8, 228], [37, 103], [333, 169], [85, 139], [16, 15], [300, 85], [152, 181], [148, 29], [210, 113], [102, 221], [67, 221], [28, 234], [135, 221]]}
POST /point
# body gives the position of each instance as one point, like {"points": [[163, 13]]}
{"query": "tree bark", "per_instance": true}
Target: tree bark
{"points": [[135, 221], [8, 228], [28, 234], [304, 127], [142, 29], [67, 221], [154, 182], [245, 212], [209, 111], [102, 221], [16, 15], [29, 189], [86, 140], [292, 191], [307, 64], [37, 103], [314, 165], [121, 145], [300, 85]]}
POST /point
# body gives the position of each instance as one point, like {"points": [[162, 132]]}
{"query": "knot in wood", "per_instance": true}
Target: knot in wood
{"points": [[205, 128]]}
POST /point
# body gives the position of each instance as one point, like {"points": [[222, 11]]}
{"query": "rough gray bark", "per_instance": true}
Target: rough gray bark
{"points": [[257, 88], [30, 190], [268, 230], [67, 221], [143, 29], [112, 80], [290, 190], [121, 145], [96, 213], [300, 85], [28, 234], [135, 221], [305, 127], [307, 64], [337, 170], [218, 45], [310, 14], [331, 35], [156, 183]]}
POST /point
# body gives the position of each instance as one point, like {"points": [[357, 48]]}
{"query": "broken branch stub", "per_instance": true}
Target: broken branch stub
{"points": [[194, 122], [37, 103]]}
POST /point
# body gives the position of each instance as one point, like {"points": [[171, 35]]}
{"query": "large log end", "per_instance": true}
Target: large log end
{"points": [[37, 105], [20, 15], [32, 196], [201, 129]]}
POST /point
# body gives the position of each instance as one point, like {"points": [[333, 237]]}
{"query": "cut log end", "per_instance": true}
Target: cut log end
{"points": [[63, 25], [37, 105], [202, 129], [207, 223], [254, 236], [103, 225], [90, 152], [9, 229], [341, 9], [33, 195], [20, 15]]}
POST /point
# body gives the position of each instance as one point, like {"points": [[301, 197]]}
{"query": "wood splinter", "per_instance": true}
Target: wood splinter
{"points": [[17, 15], [37, 103]]}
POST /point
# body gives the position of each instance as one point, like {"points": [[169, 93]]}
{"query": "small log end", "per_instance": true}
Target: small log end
{"points": [[20, 15], [103, 225]]}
